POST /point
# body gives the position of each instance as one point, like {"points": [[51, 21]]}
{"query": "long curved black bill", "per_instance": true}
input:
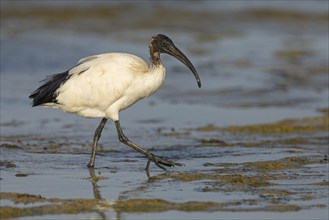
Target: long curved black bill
{"points": [[175, 52]]}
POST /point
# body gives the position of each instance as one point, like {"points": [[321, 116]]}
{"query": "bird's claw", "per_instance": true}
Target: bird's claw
{"points": [[161, 162]]}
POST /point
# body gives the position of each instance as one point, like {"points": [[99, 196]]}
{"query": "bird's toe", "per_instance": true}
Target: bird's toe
{"points": [[161, 162]]}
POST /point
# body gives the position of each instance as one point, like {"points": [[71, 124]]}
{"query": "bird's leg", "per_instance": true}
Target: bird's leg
{"points": [[97, 135], [151, 157]]}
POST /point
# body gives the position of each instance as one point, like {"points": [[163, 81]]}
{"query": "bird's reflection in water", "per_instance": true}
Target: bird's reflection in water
{"points": [[123, 195], [97, 194], [94, 180]]}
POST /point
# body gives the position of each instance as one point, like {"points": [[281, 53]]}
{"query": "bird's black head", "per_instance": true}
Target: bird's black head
{"points": [[163, 44]]}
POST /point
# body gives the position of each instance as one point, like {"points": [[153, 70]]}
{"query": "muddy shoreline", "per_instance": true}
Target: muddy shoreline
{"points": [[254, 138], [296, 180]]}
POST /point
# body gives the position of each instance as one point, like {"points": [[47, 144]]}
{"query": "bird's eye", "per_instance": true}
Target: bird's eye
{"points": [[163, 43]]}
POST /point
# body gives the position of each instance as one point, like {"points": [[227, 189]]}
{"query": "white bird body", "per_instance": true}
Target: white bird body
{"points": [[103, 85]]}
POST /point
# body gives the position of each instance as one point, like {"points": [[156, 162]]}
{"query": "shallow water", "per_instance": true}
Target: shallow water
{"points": [[259, 63]]}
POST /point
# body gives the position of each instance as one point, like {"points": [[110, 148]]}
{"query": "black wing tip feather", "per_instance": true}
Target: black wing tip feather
{"points": [[32, 96], [36, 99], [46, 93]]}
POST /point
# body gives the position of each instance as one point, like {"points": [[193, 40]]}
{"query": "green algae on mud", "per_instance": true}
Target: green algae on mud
{"points": [[269, 165], [235, 179], [285, 126], [7, 164], [213, 141], [324, 183], [22, 198], [55, 206], [276, 192], [158, 205], [285, 163], [304, 125], [293, 54]]}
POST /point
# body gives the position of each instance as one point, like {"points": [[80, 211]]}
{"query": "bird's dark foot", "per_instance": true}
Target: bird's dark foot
{"points": [[160, 162]]}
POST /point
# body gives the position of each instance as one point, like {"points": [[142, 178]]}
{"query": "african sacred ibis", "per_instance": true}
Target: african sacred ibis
{"points": [[101, 86]]}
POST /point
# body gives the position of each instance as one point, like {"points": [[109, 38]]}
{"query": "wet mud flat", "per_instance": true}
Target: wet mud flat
{"points": [[279, 167], [254, 140]]}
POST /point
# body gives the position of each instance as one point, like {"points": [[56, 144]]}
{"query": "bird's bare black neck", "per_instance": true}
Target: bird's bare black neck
{"points": [[154, 56]]}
